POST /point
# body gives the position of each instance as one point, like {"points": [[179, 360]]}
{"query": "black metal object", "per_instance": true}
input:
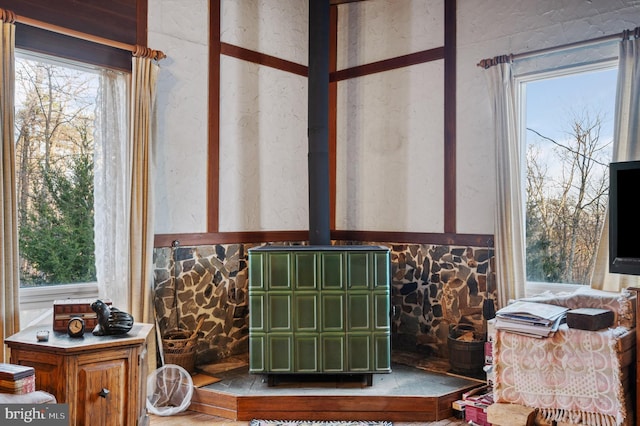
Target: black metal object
{"points": [[318, 124], [488, 306], [111, 320]]}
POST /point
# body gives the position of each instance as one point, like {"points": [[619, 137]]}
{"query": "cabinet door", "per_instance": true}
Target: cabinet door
{"points": [[101, 394], [139, 385]]}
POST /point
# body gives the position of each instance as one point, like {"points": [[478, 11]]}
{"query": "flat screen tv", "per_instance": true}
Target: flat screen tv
{"points": [[624, 220]]}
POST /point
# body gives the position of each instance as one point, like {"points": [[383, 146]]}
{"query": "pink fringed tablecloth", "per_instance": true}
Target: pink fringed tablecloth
{"points": [[574, 376]]}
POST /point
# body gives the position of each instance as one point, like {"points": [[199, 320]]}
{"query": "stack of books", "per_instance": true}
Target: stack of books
{"points": [[17, 379], [530, 318]]}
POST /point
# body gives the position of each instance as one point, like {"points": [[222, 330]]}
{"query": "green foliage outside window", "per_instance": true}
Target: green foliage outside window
{"points": [[57, 236], [54, 172]]}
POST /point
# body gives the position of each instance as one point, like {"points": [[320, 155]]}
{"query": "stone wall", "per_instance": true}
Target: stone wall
{"points": [[433, 289], [209, 281]]}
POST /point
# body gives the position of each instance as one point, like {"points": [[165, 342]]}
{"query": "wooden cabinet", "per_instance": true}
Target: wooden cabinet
{"points": [[102, 378], [319, 310]]}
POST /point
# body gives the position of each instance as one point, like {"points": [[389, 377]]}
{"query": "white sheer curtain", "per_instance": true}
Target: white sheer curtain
{"points": [[509, 226], [626, 134], [112, 183]]}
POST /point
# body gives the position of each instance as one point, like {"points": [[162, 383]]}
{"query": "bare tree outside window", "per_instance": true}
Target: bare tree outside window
{"points": [[567, 185], [566, 210], [54, 149]]}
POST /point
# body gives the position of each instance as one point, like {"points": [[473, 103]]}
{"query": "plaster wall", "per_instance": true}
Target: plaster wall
{"points": [[498, 27], [390, 126]]}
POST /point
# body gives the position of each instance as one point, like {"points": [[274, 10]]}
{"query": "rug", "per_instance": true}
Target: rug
{"points": [[316, 423]]}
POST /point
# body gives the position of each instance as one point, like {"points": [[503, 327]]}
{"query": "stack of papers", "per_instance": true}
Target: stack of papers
{"points": [[530, 318]]}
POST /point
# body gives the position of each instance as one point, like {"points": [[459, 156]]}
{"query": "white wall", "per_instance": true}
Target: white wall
{"points": [[263, 119], [180, 30], [496, 27], [390, 125]]}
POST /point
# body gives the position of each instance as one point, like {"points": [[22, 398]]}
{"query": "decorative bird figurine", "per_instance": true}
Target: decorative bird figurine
{"points": [[110, 320]]}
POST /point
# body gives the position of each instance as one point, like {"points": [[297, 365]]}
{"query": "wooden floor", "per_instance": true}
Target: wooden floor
{"points": [[409, 395]]}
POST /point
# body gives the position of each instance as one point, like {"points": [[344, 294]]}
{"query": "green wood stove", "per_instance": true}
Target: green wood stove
{"points": [[319, 310]]}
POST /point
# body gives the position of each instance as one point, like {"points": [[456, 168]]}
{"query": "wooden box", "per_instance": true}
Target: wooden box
{"points": [[590, 318], [63, 310]]}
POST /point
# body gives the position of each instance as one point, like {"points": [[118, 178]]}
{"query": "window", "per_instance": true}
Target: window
{"points": [[55, 120], [568, 134]]}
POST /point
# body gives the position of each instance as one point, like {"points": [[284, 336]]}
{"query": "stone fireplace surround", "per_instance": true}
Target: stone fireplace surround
{"points": [[432, 288]]}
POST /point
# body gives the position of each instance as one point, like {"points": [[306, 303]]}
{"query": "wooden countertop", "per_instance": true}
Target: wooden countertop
{"points": [[60, 342]]}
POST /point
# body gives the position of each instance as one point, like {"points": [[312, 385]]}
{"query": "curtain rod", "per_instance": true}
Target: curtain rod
{"points": [[136, 50], [487, 63]]}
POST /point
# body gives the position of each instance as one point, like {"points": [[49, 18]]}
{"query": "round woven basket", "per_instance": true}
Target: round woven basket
{"points": [[184, 358], [179, 339], [179, 348]]}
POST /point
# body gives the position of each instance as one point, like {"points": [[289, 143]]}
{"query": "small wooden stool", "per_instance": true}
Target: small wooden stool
{"points": [[501, 414]]}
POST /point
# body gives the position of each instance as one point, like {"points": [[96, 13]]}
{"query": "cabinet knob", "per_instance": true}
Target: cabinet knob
{"points": [[103, 392]]}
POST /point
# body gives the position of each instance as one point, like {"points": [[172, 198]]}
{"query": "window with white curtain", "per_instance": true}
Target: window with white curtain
{"points": [[59, 129], [566, 125]]}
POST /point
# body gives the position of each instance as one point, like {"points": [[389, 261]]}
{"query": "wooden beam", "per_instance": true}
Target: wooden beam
{"points": [[337, 2], [450, 166], [213, 154]]}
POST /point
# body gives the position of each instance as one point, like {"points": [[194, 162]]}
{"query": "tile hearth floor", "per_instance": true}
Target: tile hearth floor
{"points": [[437, 365], [188, 418]]}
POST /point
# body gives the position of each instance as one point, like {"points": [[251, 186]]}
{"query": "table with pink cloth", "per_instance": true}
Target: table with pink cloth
{"points": [[574, 376]]}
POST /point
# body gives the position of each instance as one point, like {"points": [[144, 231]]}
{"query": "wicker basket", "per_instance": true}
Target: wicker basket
{"points": [[179, 348], [184, 358]]}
